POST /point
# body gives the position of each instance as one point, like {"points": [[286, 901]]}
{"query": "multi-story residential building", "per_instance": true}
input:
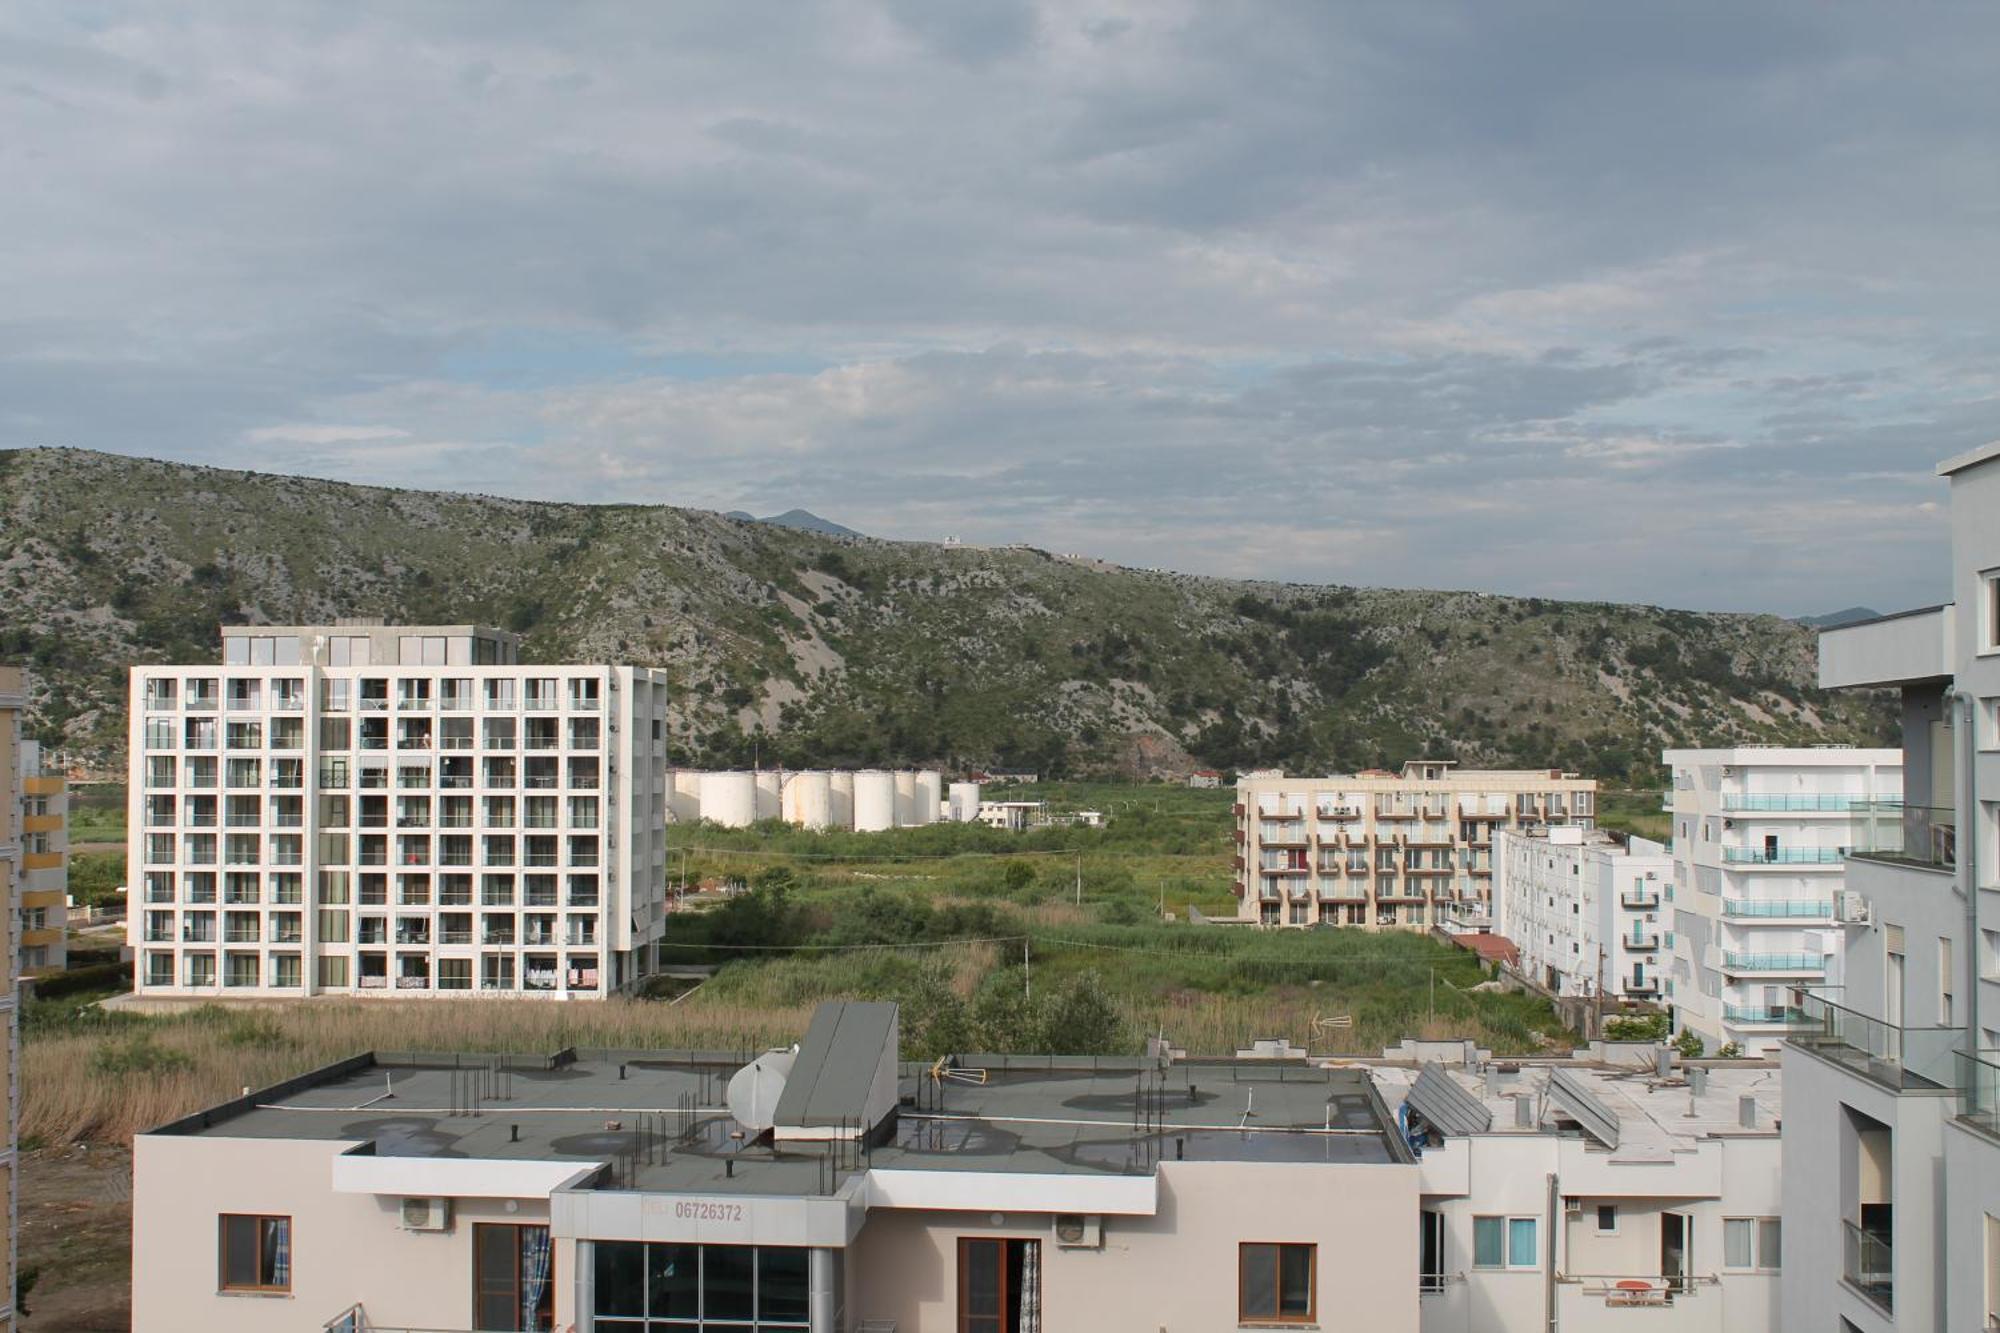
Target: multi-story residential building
{"points": [[13, 701], [1892, 1142], [1593, 1198], [44, 885], [1590, 913], [409, 810], [842, 1190], [1383, 851], [1760, 835]]}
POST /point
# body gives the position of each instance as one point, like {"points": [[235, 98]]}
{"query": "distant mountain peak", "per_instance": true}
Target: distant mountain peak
{"points": [[805, 520]]}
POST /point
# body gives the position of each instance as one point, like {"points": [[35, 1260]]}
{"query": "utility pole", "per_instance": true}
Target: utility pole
{"points": [[1027, 977], [1079, 879], [1434, 997]]}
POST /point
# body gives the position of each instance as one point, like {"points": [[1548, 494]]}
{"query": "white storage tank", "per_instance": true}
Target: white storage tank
{"points": [[964, 802], [906, 797], [808, 800], [840, 809], [768, 781], [930, 795], [874, 801], [729, 799], [684, 796]]}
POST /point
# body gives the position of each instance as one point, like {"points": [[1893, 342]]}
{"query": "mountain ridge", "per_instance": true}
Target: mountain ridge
{"points": [[833, 650]]}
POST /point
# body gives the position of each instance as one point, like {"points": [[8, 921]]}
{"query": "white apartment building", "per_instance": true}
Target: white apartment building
{"points": [[394, 810], [840, 1191], [1384, 851], [1892, 1146], [1587, 911], [1596, 1199], [1760, 836]]}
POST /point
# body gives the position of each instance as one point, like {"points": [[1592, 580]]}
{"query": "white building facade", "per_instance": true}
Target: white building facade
{"points": [[394, 810], [1892, 1147], [1760, 835], [1587, 911], [1384, 851]]}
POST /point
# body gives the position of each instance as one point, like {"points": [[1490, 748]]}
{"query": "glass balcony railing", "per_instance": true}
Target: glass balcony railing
{"points": [[1783, 856], [1979, 1090], [1868, 1264], [1790, 802], [1760, 1015], [1773, 962], [1901, 1058], [1922, 835], [1790, 909]]}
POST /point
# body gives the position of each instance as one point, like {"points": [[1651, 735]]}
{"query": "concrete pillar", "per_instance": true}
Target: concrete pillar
{"points": [[823, 1287]]}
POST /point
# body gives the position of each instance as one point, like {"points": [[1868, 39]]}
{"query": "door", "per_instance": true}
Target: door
{"points": [[1770, 846], [512, 1291], [1892, 1002], [1676, 1249]]}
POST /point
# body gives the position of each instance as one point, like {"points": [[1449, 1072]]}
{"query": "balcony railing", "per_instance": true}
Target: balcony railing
{"points": [[1897, 1057], [1639, 902], [1758, 1015], [1790, 909], [1979, 1090], [1867, 1262], [1773, 962], [1791, 802], [1920, 835], [1783, 856]]}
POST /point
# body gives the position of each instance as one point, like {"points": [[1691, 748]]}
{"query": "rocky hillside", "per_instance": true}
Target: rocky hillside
{"points": [[822, 649]]}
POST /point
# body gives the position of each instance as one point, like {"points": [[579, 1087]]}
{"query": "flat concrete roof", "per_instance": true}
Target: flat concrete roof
{"points": [[659, 1118], [1657, 1117], [1970, 458]]}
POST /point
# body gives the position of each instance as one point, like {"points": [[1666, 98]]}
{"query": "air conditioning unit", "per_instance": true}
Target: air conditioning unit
{"points": [[1851, 908], [1572, 1206], [427, 1214], [1652, 874], [1079, 1231]]}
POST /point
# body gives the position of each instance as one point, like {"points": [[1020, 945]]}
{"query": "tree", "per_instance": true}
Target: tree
{"points": [[1079, 1019]]}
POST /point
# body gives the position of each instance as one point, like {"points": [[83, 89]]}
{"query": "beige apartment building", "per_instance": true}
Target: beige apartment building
{"points": [[13, 700], [1383, 851], [827, 1187], [43, 898]]}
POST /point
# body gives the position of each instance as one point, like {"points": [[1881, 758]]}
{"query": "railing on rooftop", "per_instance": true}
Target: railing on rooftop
{"points": [[1790, 802], [1868, 1264], [1979, 1090], [1922, 835], [1897, 1057]]}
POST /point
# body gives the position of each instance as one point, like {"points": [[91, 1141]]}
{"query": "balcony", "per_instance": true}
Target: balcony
{"points": [[1794, 803], [1780, 964], [1914, 835], [1899, 1058], [1640, 943], [1783, 856], [1639, 902], [1781, 909], [1680, 1304], [1641, 985], [1762, 1016], [1979, 1092], [1868, 1264]]}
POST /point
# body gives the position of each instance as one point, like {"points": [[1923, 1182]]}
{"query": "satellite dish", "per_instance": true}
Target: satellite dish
{"points": [[754, 1089]]}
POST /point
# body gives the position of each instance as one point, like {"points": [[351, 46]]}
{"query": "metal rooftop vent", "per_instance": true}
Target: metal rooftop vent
{"points": [[1445, 1106], [1576, 1100]]}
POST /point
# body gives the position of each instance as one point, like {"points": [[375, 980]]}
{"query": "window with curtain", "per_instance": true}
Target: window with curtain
{"points": [[999, 1285], [513, 1290], [256, 1253], [1503, 1242], [1751, 1242]]}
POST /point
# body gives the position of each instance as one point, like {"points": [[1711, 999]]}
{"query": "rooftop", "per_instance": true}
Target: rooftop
{"points": [[1655, 1117], [658, 1119]]}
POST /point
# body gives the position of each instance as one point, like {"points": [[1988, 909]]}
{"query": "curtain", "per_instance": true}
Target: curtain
{"points": [[278, 1245], [1031, 1287], [534, 1277]]}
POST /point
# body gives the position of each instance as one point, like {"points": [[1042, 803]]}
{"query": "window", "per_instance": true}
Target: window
{"points": [[713, 1287], [1431, 1272], [1276, 1284], [1989, 612], [1946, 979], [256, 1253], [511, 1286], [1751, 1242], [999, 1285], [1503, 1242], [1607, 1219]]}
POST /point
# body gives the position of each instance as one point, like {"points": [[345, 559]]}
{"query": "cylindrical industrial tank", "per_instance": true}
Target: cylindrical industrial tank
{"points": [[840, 810], [729, 799], [684, 796], [930, 795], [874, 801], [768, 783], [906, 797], [964, 802], [808, 800]]}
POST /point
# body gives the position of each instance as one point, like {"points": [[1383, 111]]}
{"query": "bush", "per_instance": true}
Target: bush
{"points": [[139, 1054], [1690, 1044], [1636, 1027], [105, 977], [1729, 1050], [1079, 1019]]}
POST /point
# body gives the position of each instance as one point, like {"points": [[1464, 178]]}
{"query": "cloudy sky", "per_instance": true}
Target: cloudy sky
{"points": [[1675, 303]]}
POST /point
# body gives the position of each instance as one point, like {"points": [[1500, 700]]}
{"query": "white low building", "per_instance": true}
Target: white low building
{"points": [[1592, 1198], [1585, 909]]}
